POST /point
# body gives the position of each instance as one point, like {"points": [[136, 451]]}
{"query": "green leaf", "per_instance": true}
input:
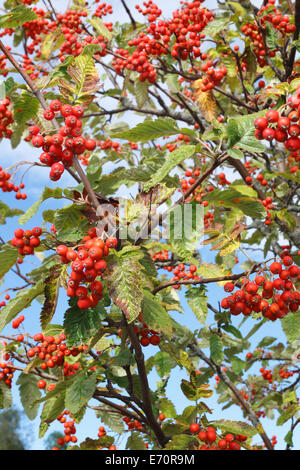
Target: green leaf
{"points": [[80, 392], [163, 363], [21, 301], [80, 325], [291, 326], [231, 329], [237, 365], [25, 108], [8, 257], [173, 159], [67, 219], [141, 92], [167, 408], [155, 315], [5, 396], [236, 427], [216, 348], [288, 414], [100, 28], [6, 211], [272, 36], [29, 393], [135, 442], [17, 16], [180, 442], [110, 419], [96, 444], [150, 130], [52, 284], [53, 408], [233, 198], [235, 153], [241, 133], [124, 280], [214, 27], [197, 300]]}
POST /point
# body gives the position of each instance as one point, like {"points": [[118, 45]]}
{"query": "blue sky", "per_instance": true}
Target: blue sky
{"points": [[35, 181]]}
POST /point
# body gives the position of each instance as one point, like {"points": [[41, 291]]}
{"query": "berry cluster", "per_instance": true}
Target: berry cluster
{"points": [[132, 423], [87, 264], [247, 299], [69, 430], [211, 440], [7, 186], [26, 241], [59, 149], [7, 373], [6, 119], [53, 351], [270, 16], [181, 37]]}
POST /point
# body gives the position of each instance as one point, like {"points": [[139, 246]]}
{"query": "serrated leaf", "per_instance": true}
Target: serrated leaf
{"points": [[291, 326], [52, 284], [214, 27], [216, 348], [241, 133], [155, 315], [236, 427], [167, 408], [8, 257], [19, 303], [80, 325], [25, 107], [5, 396], [205, 100], [149, 130], [80, 392], [197, 300], [135, 442], [110, 419], [180, 442], [17, 16], [288, 414], [100, 27], [173, 159], [29, 393], [123, 275], [163, 363]]}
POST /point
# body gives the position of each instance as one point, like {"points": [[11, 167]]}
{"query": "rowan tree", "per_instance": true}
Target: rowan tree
{"points": [[192, 117]]}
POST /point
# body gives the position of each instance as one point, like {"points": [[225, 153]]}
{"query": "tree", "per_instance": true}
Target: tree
{"points": [[198, 119], [12, 435]]}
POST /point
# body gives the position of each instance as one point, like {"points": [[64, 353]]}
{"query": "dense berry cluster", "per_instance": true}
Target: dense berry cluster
{"points": [[27, 240], [268, 16], [247, 299], [6, 119], [181, 37], [6, 373], [59, 149], [213, 442], [53, 351], [87, 263], [284, 128]]}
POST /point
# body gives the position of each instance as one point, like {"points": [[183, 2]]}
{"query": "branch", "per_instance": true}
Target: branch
{"points": [[147, 404], [244, 404], [231, 277], [133, 22], [291, 60]]}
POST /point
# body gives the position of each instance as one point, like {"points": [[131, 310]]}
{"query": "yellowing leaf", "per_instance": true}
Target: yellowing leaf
{"points": [[205, 101]]}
